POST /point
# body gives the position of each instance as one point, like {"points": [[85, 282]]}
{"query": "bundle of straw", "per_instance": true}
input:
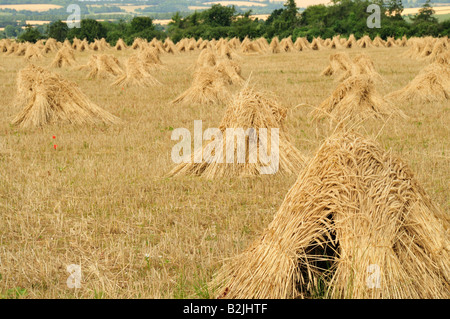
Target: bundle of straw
{"points": [[64, 57], [378, 42], [431, 84], [390, 42], [339, 63], [263, 44], [351, 42], [316, 44], [275, 45], [355, 100], [157, 45], [4, 45], [46, 97], [169, 46], [248, 110], [286, 45], [22, 49], [138, 43], [102, 66], [120, 45], [335, 43], [208, 87], [33, 52], [403, 42], [365, 42], [441, 46], [363, 64], [206, 58], [150, 58], [224, 65], [249, 47], [301, 44], [356, 224], [51, 45], [136, 74], [230, 70], [344, 67]]}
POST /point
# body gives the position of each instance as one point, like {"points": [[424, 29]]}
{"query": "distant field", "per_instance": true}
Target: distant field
{"points": [[36, 22], [197, 8], [443, 17], [306, 3], [30, 7], [238, 3], [131, 9], [439, 10], [162, 21], [260, 16]]}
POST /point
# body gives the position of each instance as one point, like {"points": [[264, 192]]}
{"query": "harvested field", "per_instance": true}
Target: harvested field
{"points": [[97, 195]]}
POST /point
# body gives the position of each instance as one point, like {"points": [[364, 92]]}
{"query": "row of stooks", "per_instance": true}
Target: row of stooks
{"points": [[428, 48], [247, 46], [216, 69]]}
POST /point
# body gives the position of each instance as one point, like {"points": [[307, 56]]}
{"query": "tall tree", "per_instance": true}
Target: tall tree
{"points": [[30, 34], [290, 13], [426, 13], [58, 30], [11, 31], [195, 18], [219, 15], [139, 24], [90, 29], [177, 20], [395, 8]]}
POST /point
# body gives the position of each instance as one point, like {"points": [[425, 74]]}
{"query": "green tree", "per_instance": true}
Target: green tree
{"points": [[10, 31], [274, 15], [219, 15], [177, 21], [89, 29], [282, 22], [290, 13], [140, 24], [425, 13], [30, 34], [395, 8], [58, 30], [195, 18]]}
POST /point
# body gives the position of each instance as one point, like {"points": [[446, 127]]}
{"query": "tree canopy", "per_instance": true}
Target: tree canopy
{"points": [[343, 17]]}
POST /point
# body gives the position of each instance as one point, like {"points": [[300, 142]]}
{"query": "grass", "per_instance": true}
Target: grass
{"points": [[30, 7], [101, 199], [442, 17]]}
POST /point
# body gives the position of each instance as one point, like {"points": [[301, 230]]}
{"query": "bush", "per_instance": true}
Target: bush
{"points": [[30, 34]]}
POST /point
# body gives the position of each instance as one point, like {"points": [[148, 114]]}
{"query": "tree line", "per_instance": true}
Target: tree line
{"points": [[343, 17]]}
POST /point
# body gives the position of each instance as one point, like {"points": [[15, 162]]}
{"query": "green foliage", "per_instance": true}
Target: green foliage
{"points": [[395, 8], [139, 27], [140, 24], [219, 15], [343, 17], [90, 30], [12, 31], [58, 30], [425, 14], [30, 35]]}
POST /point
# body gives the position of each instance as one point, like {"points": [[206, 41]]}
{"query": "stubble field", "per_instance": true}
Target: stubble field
{"points": [[102, 200]]}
